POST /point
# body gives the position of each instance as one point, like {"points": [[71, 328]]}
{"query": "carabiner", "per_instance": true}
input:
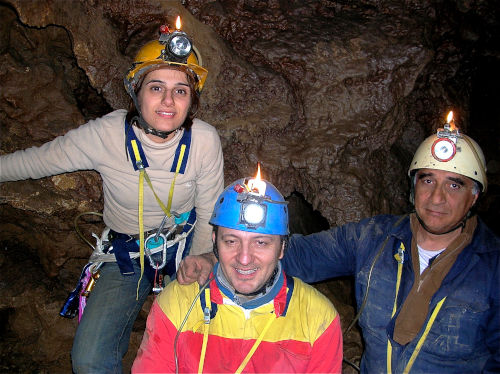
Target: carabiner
{"points": [[401, 254], [154, 241]]}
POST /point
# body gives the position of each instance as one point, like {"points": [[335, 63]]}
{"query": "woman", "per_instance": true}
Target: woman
{"points": [[159, 166]]}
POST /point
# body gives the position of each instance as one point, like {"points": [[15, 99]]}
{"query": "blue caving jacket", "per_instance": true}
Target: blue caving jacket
{"points": [[465, 336]]}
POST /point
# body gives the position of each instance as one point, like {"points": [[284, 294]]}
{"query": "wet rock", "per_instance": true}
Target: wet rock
{"points": [[331, 97]]}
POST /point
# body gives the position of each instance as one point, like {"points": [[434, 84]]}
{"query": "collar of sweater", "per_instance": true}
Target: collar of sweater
{"points": [[147, 142]]}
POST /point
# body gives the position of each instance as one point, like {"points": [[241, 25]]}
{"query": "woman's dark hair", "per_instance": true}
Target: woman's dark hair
{"points": [[195, 97]]}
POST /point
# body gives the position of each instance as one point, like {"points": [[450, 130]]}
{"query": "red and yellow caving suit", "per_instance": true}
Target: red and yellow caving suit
{"points": [[303, 337]]}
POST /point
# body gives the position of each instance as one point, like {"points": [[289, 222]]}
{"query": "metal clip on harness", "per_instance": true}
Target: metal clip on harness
{"points": [[155, 241]]}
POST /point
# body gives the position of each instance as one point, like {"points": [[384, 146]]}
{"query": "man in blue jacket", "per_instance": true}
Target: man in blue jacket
{"points": [[428, 283]]}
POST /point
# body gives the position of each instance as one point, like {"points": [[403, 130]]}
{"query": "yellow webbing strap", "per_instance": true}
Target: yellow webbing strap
{"points": [[143, 175], [141, 212], [427, 327], [206, 327], [424, 336], [178, 167], [167, 208], [255, 345], [399, 259]]}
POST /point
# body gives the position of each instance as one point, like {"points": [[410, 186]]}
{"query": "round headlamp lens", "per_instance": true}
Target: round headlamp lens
{"points": [[254, 214], [180, 46], [443, 149]]}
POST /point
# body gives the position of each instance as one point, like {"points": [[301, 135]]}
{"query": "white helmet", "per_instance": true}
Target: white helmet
{"points": [[451, 151]]}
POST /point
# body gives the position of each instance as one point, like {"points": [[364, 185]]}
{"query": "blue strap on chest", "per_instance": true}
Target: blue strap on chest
{"points": [[185, 140]]}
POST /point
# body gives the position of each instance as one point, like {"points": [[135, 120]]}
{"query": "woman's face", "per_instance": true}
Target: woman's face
{"points": [[165, 99]]}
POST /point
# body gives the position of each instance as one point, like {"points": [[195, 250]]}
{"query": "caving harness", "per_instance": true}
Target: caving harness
{"points": [[164, 247], [140, 164]]}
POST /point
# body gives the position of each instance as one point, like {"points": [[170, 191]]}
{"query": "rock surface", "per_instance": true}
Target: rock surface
{"points": [[331, 97]]}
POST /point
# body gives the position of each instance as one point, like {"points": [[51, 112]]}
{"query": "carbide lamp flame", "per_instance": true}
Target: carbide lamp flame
{"points": [[450, 122], [257, 184], [178, 23], [258, 177], [450, 117]]}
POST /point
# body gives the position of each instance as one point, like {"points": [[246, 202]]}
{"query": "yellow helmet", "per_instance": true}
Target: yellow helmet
{"points": [[454, 152], [173, 48]]}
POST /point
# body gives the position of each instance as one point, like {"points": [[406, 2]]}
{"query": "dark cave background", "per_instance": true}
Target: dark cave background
{"points": [[332, 97]]}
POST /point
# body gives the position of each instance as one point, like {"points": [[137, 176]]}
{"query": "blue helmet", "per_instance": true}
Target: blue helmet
{"points": [[262, 209]]}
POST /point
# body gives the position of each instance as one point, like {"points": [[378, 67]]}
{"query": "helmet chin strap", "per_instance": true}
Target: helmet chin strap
{"points": [[148, 129], [459, 224], [151, 130]]}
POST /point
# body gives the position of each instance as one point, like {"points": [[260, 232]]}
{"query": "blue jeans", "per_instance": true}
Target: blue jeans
{"points": [[103, 335]]}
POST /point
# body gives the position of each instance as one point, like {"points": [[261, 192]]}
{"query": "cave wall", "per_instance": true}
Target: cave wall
{"points": [[331, 97]]}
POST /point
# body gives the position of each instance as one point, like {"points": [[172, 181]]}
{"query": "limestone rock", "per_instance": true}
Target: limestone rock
{"points": [[332, 98]]}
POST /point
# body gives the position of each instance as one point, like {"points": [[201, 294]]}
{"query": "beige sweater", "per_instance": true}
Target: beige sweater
{"points": [[100, 145]]}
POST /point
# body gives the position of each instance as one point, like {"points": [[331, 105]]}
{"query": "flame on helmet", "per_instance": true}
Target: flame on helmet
{"points": [[178, 24], [257, 184], [257, 176], [450, 121]]}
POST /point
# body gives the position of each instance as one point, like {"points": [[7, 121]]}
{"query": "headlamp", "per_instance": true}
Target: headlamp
{"points": [[178, 46], [253, 206], [444, 147], [253, 215], [253, 212]]}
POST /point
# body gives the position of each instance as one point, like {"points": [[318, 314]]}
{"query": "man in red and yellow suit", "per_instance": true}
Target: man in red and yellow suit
{"points": [[249, 316]]}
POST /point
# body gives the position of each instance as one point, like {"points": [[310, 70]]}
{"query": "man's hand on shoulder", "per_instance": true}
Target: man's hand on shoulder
{"points": [[196, 268]]}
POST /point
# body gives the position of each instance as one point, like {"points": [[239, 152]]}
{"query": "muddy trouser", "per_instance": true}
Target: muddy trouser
{"points": [[103, 335]]}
